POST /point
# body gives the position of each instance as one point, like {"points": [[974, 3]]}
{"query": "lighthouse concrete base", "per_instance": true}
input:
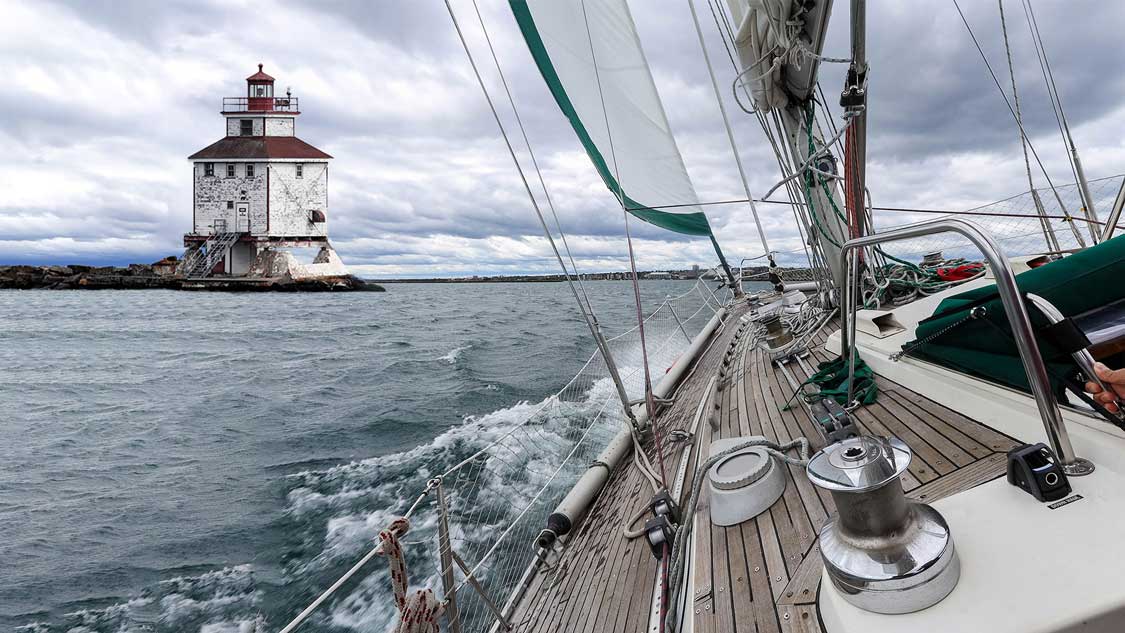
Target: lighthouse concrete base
{"points": [[281, 264]]}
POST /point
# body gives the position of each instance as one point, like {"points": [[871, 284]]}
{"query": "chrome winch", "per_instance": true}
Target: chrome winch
{"points": [[883, 552], [777, 333]]}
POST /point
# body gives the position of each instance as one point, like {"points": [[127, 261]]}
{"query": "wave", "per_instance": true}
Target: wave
{"points": [[226, 600], [454, 354], [333, 513], [346, 506]]}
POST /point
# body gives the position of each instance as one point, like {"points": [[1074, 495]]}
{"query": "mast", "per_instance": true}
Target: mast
{"points": [[854, 102], [807, 148]]}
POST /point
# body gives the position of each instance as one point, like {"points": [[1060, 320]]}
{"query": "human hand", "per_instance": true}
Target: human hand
{"points": [[1114, 380]]}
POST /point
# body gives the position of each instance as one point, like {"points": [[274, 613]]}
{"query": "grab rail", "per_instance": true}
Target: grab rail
{"points": [[1013, 305]]}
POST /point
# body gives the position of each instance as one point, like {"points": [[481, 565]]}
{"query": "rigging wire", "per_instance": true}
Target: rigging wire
{"points": [[1048, 230], [539, 214], [650, 404], [725, 32], [726, 124], [1060, 115], [534, 161], [1008, 103]]}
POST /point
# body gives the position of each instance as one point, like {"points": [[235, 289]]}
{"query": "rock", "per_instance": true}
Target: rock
{"points": [[143, 276]]}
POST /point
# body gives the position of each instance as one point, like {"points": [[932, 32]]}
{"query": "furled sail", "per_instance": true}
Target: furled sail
{"points": [[591, 58]]}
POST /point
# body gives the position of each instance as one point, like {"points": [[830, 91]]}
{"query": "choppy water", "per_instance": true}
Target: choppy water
{"points": [[209, 462]]}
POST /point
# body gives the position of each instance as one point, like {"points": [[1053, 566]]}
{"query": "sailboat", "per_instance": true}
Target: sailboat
{"points": [[902, 441]]}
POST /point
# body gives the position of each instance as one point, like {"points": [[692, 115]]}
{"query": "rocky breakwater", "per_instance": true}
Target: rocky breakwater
{"points": [[161, 275], [75, 277]]}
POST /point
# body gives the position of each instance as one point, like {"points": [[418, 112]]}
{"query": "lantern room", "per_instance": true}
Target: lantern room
{"points": [[259, 91], [260, 97]]}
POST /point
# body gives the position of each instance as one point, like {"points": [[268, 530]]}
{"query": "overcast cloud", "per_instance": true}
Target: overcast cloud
{"points": [[102, 100]]}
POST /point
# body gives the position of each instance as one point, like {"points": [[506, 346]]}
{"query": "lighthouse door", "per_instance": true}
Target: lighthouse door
{"points": [[242, 217]]}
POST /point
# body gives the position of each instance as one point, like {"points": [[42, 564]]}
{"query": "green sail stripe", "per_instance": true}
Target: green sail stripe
{"points": [[685, 223]]}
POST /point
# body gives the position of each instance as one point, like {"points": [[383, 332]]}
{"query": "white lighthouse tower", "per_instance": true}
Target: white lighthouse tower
{"points": [[258, 192]]}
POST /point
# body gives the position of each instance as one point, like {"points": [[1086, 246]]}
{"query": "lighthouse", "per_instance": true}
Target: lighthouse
{"points": [[259, 193]]}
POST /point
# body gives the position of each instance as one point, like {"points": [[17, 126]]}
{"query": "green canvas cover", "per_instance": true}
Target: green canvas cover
{"points": [[983, 347]]}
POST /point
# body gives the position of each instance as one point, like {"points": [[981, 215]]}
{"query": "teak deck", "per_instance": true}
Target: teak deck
{"points": [[761, 575]]}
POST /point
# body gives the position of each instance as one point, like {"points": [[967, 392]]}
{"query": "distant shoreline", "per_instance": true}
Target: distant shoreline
{"points": [[644, 275]]}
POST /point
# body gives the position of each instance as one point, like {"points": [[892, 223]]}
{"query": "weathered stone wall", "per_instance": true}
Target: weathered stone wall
{"points": [[292, 198], [213, 193], [269, 126], [234, 125], [276, 126]]}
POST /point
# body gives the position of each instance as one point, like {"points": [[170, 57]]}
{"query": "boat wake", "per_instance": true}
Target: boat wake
{"points": [[221, 601], [333, 515]]}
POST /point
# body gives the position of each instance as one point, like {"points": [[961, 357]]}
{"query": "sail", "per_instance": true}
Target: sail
{"points": [[591, 58]]}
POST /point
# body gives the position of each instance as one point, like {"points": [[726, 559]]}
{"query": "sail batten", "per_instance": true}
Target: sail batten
{"points": [[591, 59]]}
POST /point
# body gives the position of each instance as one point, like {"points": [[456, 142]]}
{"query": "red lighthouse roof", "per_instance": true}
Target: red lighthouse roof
{"points": [[260, 76]]}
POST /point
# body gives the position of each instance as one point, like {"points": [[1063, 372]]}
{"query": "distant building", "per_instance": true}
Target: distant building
{"points": [[259, 189]]}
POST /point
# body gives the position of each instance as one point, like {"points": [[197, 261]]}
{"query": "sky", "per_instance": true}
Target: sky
{"points": [[103, 100]]}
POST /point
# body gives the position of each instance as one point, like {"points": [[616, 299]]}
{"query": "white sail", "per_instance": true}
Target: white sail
{"points": [[591, 58]]}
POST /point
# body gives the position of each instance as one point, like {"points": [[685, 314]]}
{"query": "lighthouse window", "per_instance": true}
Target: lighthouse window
{"points": [[230, 204], [230, 170], [249, 171], [300, 170], [246, 127], [208, 169]]}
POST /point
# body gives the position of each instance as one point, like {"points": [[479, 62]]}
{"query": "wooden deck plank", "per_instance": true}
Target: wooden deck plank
{"points": [[798, 515], [786, 533], [921, 448], [771, 550], [789, 417], [762, 575], [802, 587], [990, 437], [801, 618], [968, 444], [987, 469], [764, 613], [702, 597], [741, 591], [810, 499], [909, 418]]}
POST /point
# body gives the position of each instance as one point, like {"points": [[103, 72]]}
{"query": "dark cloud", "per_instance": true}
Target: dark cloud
{"points": [[99, 117]]}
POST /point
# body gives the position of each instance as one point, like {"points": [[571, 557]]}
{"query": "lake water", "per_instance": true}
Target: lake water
{"points": [[209, 462]]}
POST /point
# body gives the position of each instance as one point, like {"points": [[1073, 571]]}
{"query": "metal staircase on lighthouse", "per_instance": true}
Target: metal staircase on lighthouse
{"points": [[200, 261]]}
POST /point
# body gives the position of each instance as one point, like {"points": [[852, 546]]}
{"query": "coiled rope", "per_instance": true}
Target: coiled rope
{"points": [[418, 611]]}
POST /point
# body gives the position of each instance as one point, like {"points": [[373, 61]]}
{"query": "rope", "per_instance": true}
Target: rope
{"points": [[418, 611], [372, 553], [726, 34]]}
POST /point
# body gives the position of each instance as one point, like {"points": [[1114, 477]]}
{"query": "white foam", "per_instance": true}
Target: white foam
{"points": [[454, 354]]}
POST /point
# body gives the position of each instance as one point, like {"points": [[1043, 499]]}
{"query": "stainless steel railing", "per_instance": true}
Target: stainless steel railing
{"points": [[1013, 305]]}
